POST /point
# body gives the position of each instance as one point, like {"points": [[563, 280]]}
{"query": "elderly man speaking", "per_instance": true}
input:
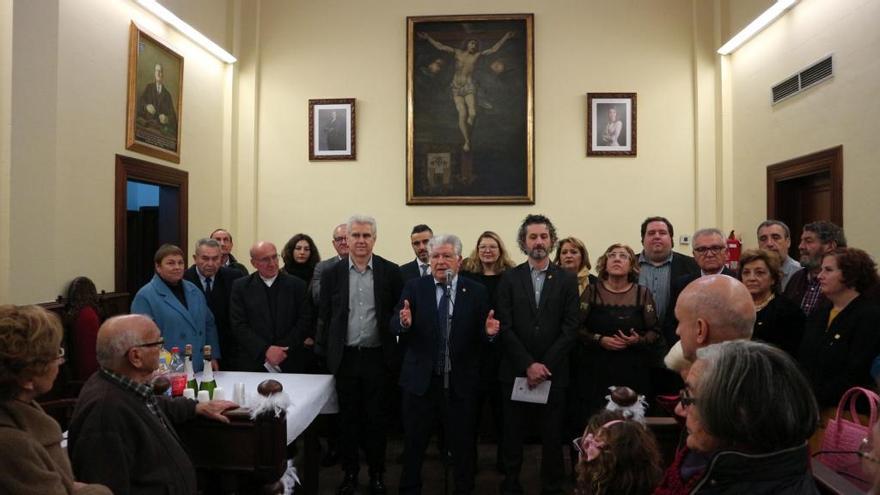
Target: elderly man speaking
{"points": [[121, 435]]}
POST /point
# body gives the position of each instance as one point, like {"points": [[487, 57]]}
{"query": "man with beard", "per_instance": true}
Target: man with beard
{"points": [[817, 239], [418, 267], [464, 89], [537, 315]]}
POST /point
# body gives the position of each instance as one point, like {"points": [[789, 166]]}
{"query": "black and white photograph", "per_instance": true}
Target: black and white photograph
{"points": [[611, 124], [331, 129]]}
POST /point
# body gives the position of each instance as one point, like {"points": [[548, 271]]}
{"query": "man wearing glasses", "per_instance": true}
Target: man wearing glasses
{"points": [[270, 316], [710, 253], [121, 435], [340, 244]]}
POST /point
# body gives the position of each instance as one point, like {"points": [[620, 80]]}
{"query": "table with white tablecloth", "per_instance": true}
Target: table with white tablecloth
{"points": [[310, 395]]}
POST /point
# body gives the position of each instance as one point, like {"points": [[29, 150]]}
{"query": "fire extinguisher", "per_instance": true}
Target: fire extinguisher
{"points": [[734, 249]]}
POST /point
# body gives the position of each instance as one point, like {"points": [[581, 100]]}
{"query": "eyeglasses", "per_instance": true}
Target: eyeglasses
{"points": [[685, 398], [60, 356], [158, 343], [706, 249], [339, 239]]}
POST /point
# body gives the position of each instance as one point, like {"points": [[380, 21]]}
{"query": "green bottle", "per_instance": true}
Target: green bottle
{"points": [[188, 368], [208, 382]]}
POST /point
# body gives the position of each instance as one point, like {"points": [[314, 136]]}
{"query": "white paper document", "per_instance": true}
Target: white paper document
{"points": [[271, 368], [522, 392]]}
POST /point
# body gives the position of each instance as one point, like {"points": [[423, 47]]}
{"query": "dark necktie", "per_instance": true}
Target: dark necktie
{"points": [[424, 269], [442, 316], [207, 285]]}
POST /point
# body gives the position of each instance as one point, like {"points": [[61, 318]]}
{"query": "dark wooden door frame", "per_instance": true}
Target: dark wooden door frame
{"points": [[128, 168], [826, 161]]}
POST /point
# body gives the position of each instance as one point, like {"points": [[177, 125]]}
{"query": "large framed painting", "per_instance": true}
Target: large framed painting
{"points": [[470, 109], [611, 124], [155, 97], [332, 129]]}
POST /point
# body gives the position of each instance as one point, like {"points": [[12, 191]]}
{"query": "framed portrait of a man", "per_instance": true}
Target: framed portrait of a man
{"points": [[332, 129], [611, 124], [470, 109], [155, 97]]}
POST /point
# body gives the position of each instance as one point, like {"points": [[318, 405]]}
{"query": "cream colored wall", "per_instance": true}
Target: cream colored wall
{"points": [[5, 142], [70, 64], [354, 49], [842, 111]]}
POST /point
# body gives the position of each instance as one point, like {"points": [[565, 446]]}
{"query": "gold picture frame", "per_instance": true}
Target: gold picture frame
{"points": [[155, 97], [470, 109], [332, 129]]}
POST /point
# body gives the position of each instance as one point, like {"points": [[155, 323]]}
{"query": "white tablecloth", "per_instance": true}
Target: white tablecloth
{"points": [[310, 395]]}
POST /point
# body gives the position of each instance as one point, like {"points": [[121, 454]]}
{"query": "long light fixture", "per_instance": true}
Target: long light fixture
{"points": [[755, 27], [187, 30]]}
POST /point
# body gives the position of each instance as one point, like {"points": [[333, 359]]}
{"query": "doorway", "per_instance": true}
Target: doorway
{"points": [[151, 210], [806, 189]]}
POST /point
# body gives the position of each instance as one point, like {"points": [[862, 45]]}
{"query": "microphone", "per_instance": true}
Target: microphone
{"points": [[448, 282]]}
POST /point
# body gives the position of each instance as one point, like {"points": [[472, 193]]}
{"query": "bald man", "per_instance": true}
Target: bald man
{"points": [[122, 435], [713, 309], [270, 317]]}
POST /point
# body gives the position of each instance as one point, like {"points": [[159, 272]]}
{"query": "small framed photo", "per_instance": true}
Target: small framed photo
{"points": [[332, 129], [611, 124], [155, 97]]}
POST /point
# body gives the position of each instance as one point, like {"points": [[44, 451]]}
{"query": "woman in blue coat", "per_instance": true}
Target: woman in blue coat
{"points": [[177, 306]]}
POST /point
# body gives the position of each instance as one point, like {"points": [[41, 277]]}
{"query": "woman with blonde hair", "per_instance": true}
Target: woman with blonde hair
{"points": [[571, 254], [30, 440], [486, 263]]}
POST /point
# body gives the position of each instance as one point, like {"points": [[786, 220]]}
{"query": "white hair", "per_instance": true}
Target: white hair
{"points": [[441, 239], [362, 219]]}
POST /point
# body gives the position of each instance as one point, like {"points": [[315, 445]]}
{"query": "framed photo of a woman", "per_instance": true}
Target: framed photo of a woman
{"points": [[331, 129], [470, 109], [155, 97], [611, 124]]}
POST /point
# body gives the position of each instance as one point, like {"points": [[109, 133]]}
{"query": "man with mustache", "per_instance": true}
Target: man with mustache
{"points": [[537, 315], [817, 239]]}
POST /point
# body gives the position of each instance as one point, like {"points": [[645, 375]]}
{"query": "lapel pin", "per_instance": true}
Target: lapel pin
{"points": [[549, 276]]}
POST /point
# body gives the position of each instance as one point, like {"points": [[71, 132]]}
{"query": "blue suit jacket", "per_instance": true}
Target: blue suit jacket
{"points": [[471, 305], [179, 325]]}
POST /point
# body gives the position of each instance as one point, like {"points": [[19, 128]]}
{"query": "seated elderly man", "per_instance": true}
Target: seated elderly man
{"points": [[749, 412], [121, 435], [711, 309]]}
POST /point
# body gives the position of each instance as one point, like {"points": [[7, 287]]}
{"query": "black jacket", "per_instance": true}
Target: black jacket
{"points": [[839, 357], [784, 472], [218, 303], [544, 333], [471, 304], [255, 328], [332, 327]]}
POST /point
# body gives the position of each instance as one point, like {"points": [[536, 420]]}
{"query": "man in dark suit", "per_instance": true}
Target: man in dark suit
{"points": [[710, 254], [340, 244], [215, 281], [441, 371], [224, 237], [270, 317], [418, 267], [537, 314], [659, 266], [357, 299]]}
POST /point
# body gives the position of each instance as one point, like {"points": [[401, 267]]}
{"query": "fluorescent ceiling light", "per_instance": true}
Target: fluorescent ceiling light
{"points": [[187, 30], [755, 27]]}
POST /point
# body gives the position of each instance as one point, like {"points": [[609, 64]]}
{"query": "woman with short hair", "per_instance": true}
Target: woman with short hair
{"points": [[779, 320], [30, 440], [620, 334], [749, 412], [841, 339]]}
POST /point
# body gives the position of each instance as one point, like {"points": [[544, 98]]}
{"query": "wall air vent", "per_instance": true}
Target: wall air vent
{"points": [[812, 75]]}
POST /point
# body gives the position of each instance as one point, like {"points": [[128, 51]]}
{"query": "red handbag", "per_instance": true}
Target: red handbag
{"points": [[843, 437]]}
